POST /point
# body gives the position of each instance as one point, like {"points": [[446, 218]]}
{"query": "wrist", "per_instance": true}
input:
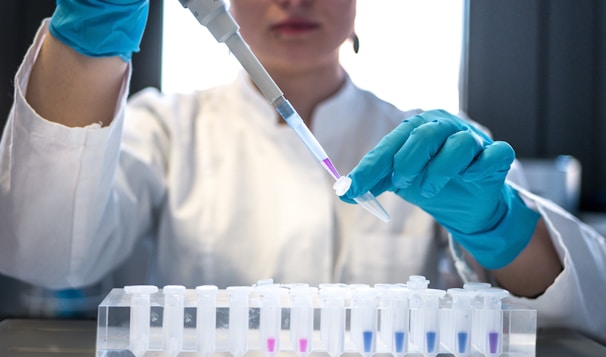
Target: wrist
{"points": [[500, 245]]}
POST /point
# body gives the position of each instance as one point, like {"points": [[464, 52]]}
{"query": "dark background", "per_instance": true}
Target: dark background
{"points": [[536, 77], [19, 21]]}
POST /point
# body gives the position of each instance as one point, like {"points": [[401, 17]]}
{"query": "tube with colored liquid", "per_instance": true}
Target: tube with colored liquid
{"points": [[363, 327], [394, 318], [302, 318], [459, 325], [491, 317], [271, 318], [476, 304], [424, 316]]}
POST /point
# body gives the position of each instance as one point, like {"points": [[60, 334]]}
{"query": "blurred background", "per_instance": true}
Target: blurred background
{"points": [[532, 71]]}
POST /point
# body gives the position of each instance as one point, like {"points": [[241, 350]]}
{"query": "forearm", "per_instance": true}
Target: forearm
{"points": [[73, 89], [534, 269]]}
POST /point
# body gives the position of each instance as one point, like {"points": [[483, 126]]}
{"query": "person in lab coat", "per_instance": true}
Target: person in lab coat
{"points": [[212, 188]]}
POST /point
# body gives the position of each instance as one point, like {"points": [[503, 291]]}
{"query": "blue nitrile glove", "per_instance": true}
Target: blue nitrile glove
{"points": [[456, 173], [101, 28]]}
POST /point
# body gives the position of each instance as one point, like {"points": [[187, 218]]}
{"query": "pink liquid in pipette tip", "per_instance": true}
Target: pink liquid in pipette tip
{"points": [[331, 168], [303, 345]]}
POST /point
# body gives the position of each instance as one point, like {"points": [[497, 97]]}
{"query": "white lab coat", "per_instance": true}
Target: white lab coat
{"points": [[228, 195]]}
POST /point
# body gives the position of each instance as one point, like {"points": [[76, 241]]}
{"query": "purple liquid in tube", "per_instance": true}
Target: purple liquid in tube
{"points": [[331, 168], [493, 341]]}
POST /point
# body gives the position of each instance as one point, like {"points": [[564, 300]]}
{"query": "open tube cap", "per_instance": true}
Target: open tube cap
{"points": [[367, 200]]}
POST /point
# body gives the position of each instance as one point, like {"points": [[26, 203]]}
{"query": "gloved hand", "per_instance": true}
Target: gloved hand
{"points": [[456, 173], [101, 28]]}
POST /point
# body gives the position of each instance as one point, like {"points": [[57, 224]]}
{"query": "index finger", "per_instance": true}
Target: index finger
{"points": [[378, 164]]}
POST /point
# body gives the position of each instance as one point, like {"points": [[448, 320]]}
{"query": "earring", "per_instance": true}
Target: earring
{"points": [[356, 42]]}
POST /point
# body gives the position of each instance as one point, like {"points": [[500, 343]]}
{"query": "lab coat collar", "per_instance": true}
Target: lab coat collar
{"points": [[251, 95], [342, 105]]}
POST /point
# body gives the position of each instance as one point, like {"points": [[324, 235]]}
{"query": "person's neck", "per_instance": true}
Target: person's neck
{"points": [[306, 89]]}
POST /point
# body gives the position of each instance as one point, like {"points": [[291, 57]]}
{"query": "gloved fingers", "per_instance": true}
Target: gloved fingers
{"points": [[494, 161], [377, 164], [113, 27], [456, 154], [423, 144]]}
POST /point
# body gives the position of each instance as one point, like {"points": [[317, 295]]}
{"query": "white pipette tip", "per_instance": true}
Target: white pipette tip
{"points": [[367, 200]]}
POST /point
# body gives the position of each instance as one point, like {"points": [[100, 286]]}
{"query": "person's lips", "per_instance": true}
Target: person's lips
{"points": [[294, 26]]}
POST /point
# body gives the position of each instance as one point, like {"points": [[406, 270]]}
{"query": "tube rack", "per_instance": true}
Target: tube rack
{"points": [[401, 319]]}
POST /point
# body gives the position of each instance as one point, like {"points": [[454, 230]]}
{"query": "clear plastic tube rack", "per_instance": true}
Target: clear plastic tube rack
{"points": [[400, 319]]}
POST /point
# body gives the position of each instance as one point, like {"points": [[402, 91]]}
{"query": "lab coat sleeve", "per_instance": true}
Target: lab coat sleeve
{"points": [[61, 201], [576, 298]]}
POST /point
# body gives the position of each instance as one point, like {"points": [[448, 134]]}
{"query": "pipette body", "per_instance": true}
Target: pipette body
{"points": [[213, 15]]}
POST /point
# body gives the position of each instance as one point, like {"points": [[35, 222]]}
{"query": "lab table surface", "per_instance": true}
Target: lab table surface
{"points": [[76, 338]]}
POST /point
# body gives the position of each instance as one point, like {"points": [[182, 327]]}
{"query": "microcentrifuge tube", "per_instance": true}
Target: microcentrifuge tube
{"points": [[417, 283], [424, 320], [363, 326], [173, 317], [238, 319], [366, 200], [492, 321], [206, 318], [476, 304], [332, 319], [458, 327], [475, 286], [302, 318], [394, 319], [139, 333], [271, 318]]}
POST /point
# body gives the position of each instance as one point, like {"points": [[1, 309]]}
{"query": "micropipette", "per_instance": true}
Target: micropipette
{"points": [[213, 15]]}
